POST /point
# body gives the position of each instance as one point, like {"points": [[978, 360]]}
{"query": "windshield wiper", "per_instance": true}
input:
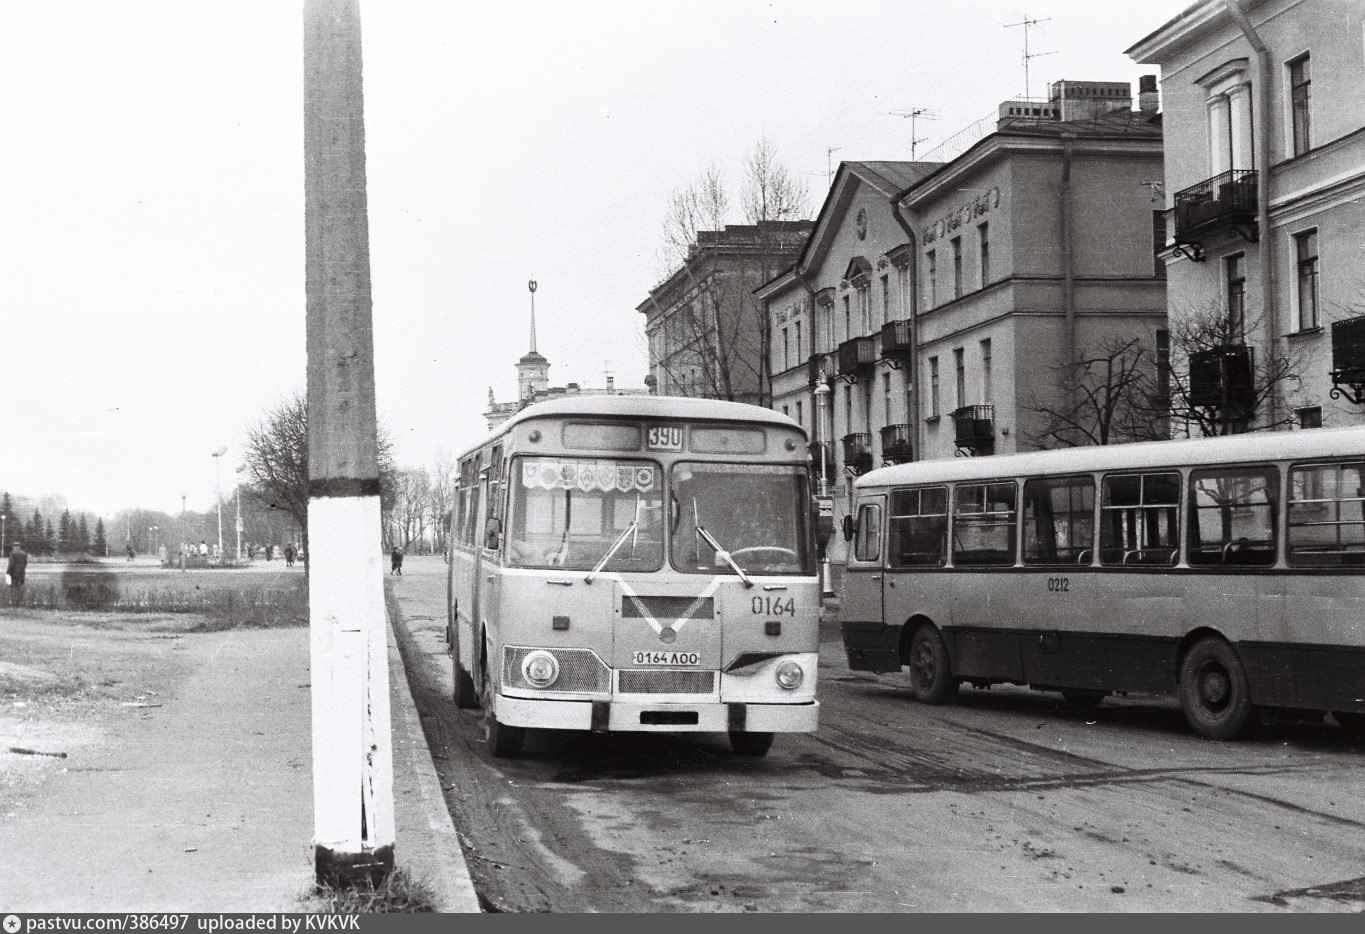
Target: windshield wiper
{"points": [[716, 546], [616, 545]]}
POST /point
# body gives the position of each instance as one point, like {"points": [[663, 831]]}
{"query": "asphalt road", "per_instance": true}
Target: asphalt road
{"points": [[1006, 801]]}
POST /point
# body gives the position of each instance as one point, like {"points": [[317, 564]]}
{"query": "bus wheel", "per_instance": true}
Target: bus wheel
{"points": [[503, 741], [1353, 723], [751, 744], [1084, 699], [1213, 690], [465, 697], [931, 673]]}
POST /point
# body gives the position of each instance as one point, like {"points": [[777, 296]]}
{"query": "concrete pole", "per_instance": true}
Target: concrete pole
{"points": [[352, 746]]}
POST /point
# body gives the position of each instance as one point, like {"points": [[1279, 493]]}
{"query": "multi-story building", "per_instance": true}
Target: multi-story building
{"points": [[703, 326], [1265, 176], [945, 317]]}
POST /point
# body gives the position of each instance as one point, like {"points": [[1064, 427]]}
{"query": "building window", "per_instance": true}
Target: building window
{"points": [[786, 349], [960, 377], [886, 398], [933, 387], [931, 279], [785, 412], [800, 414], [1310, 417], [986, 389], [848, 410], [886, 299], [1306, 251], [1158, 244], [985, 234], [957, 267], [865, 309], [1300, 103], [799, 355], [848, 320], [1163, 367], [1235, 267]]}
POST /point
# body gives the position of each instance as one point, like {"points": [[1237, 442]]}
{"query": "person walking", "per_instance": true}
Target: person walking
{"points": [[15, 571], [397, 560], [289, 554]]}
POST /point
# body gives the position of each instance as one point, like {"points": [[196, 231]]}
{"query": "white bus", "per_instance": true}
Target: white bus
{"points": [[1229, 572], [636, 563]]}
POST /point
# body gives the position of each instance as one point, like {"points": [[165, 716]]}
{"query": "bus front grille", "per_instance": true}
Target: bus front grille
{"points": [[664, 681], [580, 670]]}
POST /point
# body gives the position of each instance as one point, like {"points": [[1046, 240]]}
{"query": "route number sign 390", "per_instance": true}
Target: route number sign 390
{"points": [[664, 438]]}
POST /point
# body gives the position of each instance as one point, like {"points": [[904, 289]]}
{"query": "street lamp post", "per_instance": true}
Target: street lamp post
{"points": [[822, 391], [218, 494], [3, 517]]}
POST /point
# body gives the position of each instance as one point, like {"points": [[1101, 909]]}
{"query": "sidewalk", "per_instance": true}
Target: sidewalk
{"points": [[206, 804]]}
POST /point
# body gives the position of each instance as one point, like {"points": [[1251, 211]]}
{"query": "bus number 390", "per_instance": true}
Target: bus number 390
{"points": [[774, 606]]}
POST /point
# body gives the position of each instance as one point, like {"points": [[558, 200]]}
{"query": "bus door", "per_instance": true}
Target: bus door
{"points": [[477, 590], [864, 577]]}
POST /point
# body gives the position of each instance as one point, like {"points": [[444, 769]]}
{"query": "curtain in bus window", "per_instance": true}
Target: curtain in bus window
{"points": [[1233, 516], [918, 527], [572, 512], [1327, 515], [1059, 520], [1138, 519], [983, 524], [867, 544]]}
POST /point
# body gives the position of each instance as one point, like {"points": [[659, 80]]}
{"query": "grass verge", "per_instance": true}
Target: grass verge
{"points": [[400, 893]]}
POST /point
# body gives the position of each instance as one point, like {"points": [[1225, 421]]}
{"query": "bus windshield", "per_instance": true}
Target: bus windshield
{"points": [[755, 512], [573, 513]]}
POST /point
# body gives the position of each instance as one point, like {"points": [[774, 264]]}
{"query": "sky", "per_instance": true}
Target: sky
{"points": [[152, 238]]}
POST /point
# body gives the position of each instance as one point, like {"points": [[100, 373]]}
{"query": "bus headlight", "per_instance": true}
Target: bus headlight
{"points": [[789, 676], [540, 669]]}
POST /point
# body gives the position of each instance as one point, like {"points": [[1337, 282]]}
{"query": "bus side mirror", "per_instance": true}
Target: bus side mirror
{"points": [[849, 528], [494, 534]]}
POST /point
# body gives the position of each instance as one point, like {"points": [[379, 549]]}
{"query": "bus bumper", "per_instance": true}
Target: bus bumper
{"points": [[872, 646], [634, 716]]}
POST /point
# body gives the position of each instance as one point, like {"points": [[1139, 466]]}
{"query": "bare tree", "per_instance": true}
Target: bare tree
{"points": [[411, 516], [1108, 400], [275, 462], [703, 336], [444, 474]]}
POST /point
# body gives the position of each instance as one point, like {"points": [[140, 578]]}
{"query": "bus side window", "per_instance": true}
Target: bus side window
{"points": [[983, 524], [1327, 515], [1059, 520], [1138, 519], [867, 543], [918, 527], [1234, 515]]}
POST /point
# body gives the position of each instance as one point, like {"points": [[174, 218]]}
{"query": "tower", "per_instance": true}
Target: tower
{"points": [[533, 370]]}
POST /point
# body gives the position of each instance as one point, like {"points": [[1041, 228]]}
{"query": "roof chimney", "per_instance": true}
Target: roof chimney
{"points": [[1149, 99]]}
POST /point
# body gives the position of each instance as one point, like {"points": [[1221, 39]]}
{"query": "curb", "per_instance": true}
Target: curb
{"points": [[431, 853]]}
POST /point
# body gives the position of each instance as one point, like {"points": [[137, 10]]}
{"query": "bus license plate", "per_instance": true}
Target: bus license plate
{"points": [[685, 659]]}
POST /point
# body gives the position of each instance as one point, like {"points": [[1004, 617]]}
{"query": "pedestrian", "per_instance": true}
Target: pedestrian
{"points": [[130, 551], [397, 559], [15, 570], [289, 553], [203, 548]]}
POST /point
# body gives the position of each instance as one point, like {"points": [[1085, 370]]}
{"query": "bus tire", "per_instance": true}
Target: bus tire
{"points": [[504, 742], [1213, 690], [1353, 723], [931, 670], [751, 744], [1084, 700]]}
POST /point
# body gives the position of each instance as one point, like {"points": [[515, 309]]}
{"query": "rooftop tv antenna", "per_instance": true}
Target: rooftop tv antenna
{"points": [[913, 114], [1026, 23], [829, 163]]}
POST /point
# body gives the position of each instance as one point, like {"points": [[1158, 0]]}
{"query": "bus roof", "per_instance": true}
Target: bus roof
{"points": [[1254, 447], [643, 407]]}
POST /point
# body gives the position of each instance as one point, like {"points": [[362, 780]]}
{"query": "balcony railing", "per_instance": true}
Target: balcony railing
{"points": [[896, 344], [898, 443], [974, 428], [857, 356], [1348, 359], [1226, 201], [817, 462], [858, 451]]}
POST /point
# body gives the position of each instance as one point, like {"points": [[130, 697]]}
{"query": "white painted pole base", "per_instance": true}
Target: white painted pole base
{"points": [[352, 744]]}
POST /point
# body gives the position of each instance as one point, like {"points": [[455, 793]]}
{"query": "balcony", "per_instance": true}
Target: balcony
{"points": [[815, 461], [857, 357], [974, 429], [814, 368], [1226, 202], [1348, 359], [898, 442], [858, 451], [896, 343]]}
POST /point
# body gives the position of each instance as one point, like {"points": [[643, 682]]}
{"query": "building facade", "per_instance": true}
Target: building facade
{"points": [[703, 327], [942, 317], [1265, 176]]}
